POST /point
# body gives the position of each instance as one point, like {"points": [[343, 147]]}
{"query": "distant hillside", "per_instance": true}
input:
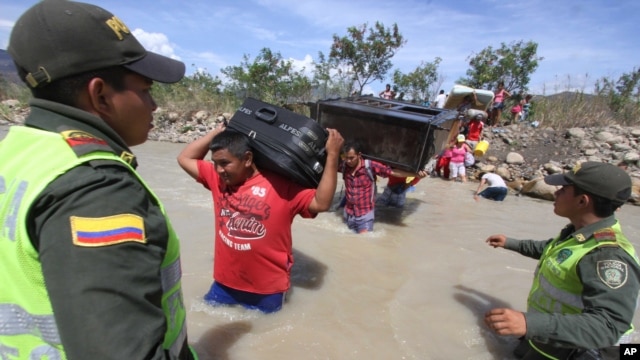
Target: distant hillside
{"points": [[7, 68], [570, 96]]}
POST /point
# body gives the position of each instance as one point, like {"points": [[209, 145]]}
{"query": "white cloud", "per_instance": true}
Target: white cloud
{"points": [[6, 23], [305, 65], [156, 42]]}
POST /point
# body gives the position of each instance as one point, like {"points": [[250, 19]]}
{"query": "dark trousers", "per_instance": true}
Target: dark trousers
{"points": [[494, 193], [524, 351]]}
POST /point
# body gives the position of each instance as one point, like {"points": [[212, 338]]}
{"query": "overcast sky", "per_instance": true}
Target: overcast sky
{"points": [[581, 41]]}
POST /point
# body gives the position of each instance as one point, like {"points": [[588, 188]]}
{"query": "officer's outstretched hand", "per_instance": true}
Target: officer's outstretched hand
{"points": [[506, 322], [496, 240]]}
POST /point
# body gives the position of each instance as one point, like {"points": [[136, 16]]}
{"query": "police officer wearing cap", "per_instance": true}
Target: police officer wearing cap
{"points": [[586, 284], [90, 263]]}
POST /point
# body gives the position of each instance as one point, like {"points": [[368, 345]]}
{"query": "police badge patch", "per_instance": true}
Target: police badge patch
{"points": [[563, 255], [612, 273]]}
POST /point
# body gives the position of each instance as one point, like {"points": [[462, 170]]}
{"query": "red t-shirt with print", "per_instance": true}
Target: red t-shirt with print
{"points": [[475, 130], [253, 246]]}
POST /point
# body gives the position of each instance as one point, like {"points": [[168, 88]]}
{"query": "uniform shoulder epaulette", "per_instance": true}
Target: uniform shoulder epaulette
{"points": [[606, 234]]}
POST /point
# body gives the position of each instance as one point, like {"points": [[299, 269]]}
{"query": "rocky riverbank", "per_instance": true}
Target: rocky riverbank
{"points": [[520, 153]]}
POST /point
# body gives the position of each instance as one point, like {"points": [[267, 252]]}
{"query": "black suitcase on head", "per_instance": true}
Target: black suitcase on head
{"points": [[284, 142]]}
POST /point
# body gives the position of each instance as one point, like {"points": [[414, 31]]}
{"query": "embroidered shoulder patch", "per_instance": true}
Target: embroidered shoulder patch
{"points": [[563, 255], [105, 231], [612, 273], [605, 235], [77, 137]]}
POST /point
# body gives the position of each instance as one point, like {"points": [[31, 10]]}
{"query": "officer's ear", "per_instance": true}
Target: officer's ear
{"points": [[585, 200], [97, 98]]}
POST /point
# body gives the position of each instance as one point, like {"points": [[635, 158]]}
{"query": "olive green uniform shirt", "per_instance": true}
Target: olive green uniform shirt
{"points": [[106, 300], [607, 311]]}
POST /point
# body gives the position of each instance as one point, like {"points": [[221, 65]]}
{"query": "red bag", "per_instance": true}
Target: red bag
{"points": [[516, 109]]}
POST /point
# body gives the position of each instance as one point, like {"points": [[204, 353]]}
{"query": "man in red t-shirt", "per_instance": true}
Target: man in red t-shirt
{"points": [[253, 211]]}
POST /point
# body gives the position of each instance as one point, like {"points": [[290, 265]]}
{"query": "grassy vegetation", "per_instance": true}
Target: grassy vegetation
{"points": [[573, 110], [577, 109], [11, 90], [611, 103]]}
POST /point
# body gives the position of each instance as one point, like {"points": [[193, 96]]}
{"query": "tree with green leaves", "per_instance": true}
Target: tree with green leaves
{"points": [[625, 89], [623, 95], [199, 88], [418, 84], [269, 78], [513, 64], [367, 52], [330, 80]]}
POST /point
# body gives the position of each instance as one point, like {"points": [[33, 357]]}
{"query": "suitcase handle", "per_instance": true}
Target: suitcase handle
{"points": [[268, 115]]}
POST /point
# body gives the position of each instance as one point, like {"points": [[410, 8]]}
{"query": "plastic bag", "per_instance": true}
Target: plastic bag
{"points": [[469, 160]]}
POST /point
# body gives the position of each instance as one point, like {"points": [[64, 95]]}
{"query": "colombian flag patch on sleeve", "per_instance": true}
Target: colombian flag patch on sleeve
{"points": [[110, 230]]}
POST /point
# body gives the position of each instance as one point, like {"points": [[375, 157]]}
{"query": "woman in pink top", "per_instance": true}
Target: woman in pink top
{"points": [[498, 104], [456, 165]]}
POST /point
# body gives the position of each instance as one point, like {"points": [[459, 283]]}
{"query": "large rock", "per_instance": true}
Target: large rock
{"points": [[537, 188], [587, 144], [173, 117], [631, 157], [200, 116], [615, 141], [515, 185], [621, 147], [552, 168], [484, 167], [504, 172], [576, 133], [604, 136], [515, 158]]}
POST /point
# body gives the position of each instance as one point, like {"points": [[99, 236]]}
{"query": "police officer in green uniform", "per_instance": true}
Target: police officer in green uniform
{"points": [[90, 263], [586, 284]]}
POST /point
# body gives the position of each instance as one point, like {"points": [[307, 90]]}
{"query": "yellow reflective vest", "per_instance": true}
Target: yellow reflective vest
{"points": [[27, 326], [557, 287]]}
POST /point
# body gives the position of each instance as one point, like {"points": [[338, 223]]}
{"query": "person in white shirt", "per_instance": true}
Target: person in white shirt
{"points": [[497, 189], [440, 99]]}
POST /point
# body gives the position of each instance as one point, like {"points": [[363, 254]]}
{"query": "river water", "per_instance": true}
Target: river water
{"points": [[415, 288]]}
